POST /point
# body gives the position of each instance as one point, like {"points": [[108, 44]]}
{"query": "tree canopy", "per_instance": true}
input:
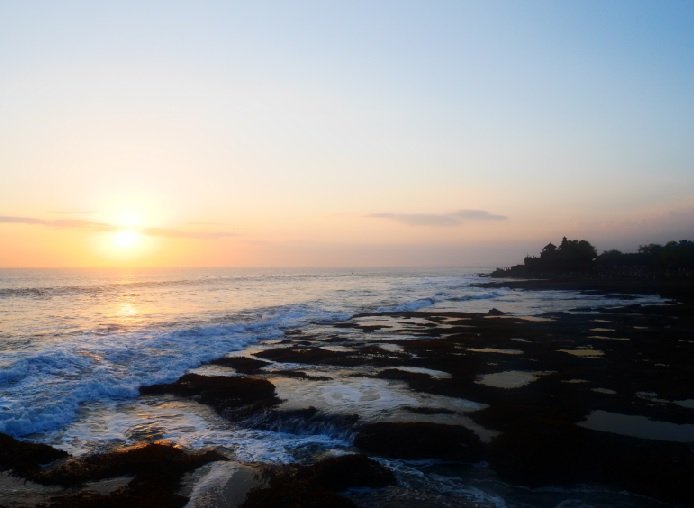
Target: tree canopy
{"points": [[674, 259], [570, 256]]}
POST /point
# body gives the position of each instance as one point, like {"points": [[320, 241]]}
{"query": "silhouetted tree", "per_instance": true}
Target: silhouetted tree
{"points": [[673, 256], [674, 259], [570, 256], [613, 258], [576, 255], [548, 250]]}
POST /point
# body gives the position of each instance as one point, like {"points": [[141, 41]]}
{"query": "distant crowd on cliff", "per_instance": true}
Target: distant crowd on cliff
{"points": [[580, 258]]}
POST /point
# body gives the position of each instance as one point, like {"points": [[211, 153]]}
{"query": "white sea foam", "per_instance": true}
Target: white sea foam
{"points": [[43, 391], [439, 298], [408, 306]]}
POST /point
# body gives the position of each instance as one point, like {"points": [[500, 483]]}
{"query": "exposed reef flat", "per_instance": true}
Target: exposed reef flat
{"points": [[521, 394], [681, 289], [598, 397]]}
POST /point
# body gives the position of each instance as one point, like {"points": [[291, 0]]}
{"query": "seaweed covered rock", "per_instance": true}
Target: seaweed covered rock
{"points": [[307, 420], [156, 470], [317, 486], [149, 475], [241, 364], [357, 470], [419, 440], [23, 457], [311, 356], [222, 392]]}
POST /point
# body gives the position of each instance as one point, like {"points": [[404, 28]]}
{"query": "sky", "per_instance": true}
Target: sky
{"points": [[341, 133]]}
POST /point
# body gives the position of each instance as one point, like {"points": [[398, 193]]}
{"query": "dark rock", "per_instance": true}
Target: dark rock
{"points": [[23, 457], [339, 473], [542, 453], [346, 324], [495, 312], [404, 375], [416, 380], [286, 494], [160, 459], [310, 355], [316, 486], [241, 364], [222, 392], [423, 410], [300, 375], [157, 469], [305, 421], [419, 440]]}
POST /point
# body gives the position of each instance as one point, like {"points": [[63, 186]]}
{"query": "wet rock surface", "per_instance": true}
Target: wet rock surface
{"points": [[144, 475], [449, 388], [24, 458], [541, 453], [536, 381], [319, 484], [226, 394], [312, 355], [308, 420], [414, 440], [241, 364]]}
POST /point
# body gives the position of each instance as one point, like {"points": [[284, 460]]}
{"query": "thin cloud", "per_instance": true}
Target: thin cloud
{"points": [[105, 227], [478, 215], [20, 220], [179, 233], [79, 224], [73, 212], [418, 219], [206, 223], [59, 224], [439, 219]]}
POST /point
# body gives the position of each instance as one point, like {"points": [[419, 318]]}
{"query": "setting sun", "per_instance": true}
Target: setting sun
{"points": [[126, 239]]}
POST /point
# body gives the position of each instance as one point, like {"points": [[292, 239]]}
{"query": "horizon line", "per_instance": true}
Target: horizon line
{"points": [[116, 267]]}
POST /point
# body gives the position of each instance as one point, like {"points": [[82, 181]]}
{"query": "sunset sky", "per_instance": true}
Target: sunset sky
{"points": [[467, 133]]}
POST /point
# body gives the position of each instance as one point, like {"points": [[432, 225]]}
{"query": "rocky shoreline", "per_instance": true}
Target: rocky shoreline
{"points": [[564, 399], [681, 290]]}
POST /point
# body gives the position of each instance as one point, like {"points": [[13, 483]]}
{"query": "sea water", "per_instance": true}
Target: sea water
{"points": [[75, 345]]}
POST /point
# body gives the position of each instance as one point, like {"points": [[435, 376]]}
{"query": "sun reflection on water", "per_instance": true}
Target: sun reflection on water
{"points": [[127, 309]]}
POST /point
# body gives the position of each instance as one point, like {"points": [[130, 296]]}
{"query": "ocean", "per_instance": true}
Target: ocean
{"points": [[75, 345]]}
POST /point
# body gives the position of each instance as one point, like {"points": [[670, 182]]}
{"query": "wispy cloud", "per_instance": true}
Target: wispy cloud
{"points": [[439, 219], [60, 223], [72, 212], [105, 227], [478, 215], [206, 223], [181, 233]]}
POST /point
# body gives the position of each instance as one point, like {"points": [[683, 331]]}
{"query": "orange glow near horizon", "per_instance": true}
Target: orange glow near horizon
{"points": [[139, 238]]}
